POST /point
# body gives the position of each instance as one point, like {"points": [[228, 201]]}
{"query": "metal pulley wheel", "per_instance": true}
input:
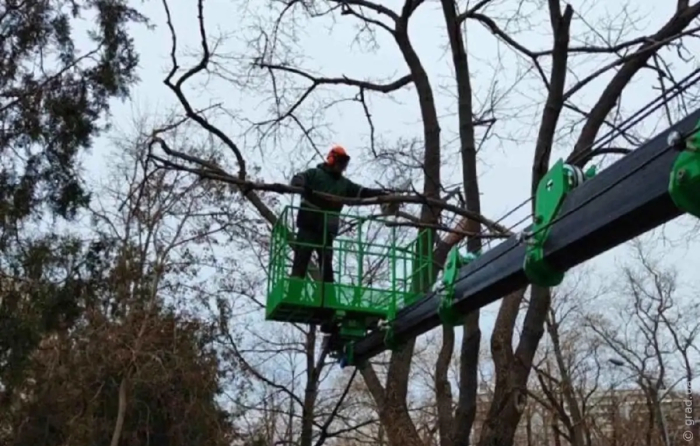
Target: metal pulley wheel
{"points": [[575, 174]]}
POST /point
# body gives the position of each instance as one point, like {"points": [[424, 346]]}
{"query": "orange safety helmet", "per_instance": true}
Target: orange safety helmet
{"points": [[337, 154]]}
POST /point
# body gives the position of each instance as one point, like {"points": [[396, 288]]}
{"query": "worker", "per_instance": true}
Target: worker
{"points": [[318, 220]]}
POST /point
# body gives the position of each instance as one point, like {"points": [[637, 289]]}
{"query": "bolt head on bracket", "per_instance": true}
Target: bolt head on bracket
{"points": [[674, 138]]}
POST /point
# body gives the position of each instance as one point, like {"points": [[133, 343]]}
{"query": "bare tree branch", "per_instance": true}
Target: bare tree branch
{"points": [[670, 31]]}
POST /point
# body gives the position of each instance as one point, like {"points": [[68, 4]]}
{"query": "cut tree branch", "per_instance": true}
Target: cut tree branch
{"points": [[213, 172], [443, 228]]}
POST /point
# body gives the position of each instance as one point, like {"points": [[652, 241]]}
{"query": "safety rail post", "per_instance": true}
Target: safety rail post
{"points": [[422, 257], [428, 261], [357, 298], [391, 313], [324, 242], [342, 259], [270, 251], [278, 246]]}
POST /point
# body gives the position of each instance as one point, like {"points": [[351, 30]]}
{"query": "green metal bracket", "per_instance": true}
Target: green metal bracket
{"points": [[348, 357], [351, 329], [551, 191], [389, 339], [684, 184], [454, 262]]}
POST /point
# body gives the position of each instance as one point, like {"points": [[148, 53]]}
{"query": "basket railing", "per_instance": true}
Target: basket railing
{"points": [[375, 267]]}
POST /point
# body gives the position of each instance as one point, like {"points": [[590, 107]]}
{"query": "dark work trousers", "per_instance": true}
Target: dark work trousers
{"points": [[302, 258], [302, 254]]}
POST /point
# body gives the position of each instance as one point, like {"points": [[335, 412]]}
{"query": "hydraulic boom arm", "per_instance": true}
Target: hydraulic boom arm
{"points": [[647, 188]]}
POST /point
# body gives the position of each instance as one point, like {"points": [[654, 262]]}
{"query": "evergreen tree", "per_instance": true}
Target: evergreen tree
{"points": [[55, 91]]}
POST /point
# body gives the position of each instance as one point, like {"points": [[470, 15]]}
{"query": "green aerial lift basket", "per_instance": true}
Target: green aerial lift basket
{"points": [[377, 270]]}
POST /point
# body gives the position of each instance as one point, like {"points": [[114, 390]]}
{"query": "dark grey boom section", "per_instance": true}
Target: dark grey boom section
{"points": [[625, 200]]}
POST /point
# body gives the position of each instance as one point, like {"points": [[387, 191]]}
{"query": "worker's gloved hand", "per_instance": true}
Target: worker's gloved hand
{"points": [[299, 180], [373, 193]]}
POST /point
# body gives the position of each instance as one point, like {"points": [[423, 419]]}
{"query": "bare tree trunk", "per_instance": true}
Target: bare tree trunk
{"points": [[310, 391], [397, 426], [513, 370], [528, 428], [392, 401], [658, 415], [578, 425], [456, 430], [307, 415], [121, 413], [290, 422], [556, 434], [443, 388], [614, 422], [650, 424], [502, 353]]}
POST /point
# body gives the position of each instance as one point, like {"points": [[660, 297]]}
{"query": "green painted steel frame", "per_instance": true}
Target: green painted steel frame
{"points": [[684, 184], [373, 277], [551, 192], [455, 261]]}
